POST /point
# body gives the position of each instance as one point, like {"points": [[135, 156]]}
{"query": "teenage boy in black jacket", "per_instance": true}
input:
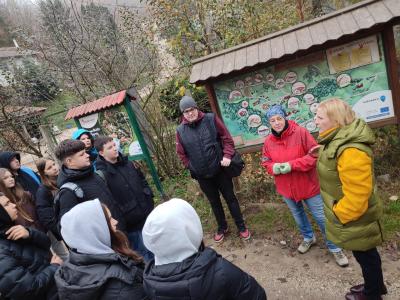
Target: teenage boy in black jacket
{"points": [[130, 190], [77, 169]]}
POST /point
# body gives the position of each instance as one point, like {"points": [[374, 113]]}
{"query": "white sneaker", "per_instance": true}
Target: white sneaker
{"points": [[341, 259], [306, 245]]}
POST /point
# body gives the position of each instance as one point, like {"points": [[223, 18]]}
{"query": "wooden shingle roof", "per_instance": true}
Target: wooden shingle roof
{"points": [[96, 106], [352, 19], [11, 52]]}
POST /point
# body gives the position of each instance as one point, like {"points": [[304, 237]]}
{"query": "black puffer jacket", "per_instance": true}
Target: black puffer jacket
{"points": [[45, 210], [93, 187], [205, 275], [101, 277], [25, 270], [130, 190]]}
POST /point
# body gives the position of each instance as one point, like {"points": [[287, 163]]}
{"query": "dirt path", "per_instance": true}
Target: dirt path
{"points": [[286, 274]]}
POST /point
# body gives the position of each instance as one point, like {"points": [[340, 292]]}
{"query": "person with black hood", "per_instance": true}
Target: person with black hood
{"points": [[86, 184], [25, 176], [101, 265], [182, 267], [26, 271], [130, 189], [87, 138]]}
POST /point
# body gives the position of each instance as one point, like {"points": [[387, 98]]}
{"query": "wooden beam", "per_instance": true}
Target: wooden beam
{"points": [[381, 123], [392, 66], [213, 100]]}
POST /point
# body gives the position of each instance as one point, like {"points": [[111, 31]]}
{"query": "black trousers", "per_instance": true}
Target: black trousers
{"points": [[212, 187], [370, 263]]}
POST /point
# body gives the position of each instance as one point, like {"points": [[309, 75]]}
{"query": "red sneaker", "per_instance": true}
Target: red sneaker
{"points": [[219, 236], [245, 234]]}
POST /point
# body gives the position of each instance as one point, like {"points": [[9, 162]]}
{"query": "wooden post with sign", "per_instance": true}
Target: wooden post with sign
{"points": [[88, 116]]}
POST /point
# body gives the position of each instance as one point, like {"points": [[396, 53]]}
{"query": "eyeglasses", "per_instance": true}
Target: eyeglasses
{"points": [[189, 110]]}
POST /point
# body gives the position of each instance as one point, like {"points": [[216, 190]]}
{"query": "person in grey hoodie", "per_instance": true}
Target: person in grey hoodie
{"points": [[183, 269], [100, 265]]}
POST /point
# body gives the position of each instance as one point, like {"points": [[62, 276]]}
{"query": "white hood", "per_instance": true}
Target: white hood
{"points": [[172, 232], [85, 228]]}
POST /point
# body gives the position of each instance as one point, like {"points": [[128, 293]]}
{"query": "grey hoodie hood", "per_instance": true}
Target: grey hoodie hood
{"points": [[85, 229], [172, 232]]}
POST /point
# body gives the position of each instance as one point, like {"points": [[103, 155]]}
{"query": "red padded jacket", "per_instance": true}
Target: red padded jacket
{"points": [[293, 146]]}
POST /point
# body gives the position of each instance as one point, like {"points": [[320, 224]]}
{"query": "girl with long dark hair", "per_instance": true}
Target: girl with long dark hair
{"points": [[26, 271], [45, 194], [22, 199], [100, 265]]}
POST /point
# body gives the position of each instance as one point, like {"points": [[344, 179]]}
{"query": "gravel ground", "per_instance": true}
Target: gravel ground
{"points": [[286, 274]]}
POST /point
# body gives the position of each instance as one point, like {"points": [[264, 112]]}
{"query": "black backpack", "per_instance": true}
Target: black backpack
{"points": [[76, 189]]}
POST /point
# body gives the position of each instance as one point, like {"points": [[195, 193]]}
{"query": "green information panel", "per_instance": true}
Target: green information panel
{"points": [[355, 72]]}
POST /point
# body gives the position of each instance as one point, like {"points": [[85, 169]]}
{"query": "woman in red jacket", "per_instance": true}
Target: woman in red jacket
{"points": [[288, 155]]}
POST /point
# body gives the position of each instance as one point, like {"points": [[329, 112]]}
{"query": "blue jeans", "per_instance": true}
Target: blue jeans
{"points": [[315, 206], [136, 242]]}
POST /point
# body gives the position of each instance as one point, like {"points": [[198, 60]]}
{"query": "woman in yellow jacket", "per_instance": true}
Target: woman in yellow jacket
{"points": [[352, 208]]}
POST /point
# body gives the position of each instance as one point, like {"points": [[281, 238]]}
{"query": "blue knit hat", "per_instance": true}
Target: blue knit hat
{"points": [[275, 110]]}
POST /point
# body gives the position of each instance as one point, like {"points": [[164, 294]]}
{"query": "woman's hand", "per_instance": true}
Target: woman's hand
{"points": [[276, 168], [285, 168], [225, 162], [17, 232], [314, 151], [56, 260]]}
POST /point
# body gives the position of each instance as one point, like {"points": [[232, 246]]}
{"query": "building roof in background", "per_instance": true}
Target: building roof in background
{"points": [[333, 26], [10, 52], [26, 112], [96, 105]]}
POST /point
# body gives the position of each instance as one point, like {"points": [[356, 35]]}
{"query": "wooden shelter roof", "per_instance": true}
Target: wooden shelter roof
{"points": [[347, 21], [96, 105], [11, 52], [24, 113]]}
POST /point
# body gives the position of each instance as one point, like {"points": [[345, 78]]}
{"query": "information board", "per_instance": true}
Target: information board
{"points": [[355, 72]]}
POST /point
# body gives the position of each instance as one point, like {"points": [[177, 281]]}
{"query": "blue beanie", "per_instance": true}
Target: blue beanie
{"points": [[275, 110]]}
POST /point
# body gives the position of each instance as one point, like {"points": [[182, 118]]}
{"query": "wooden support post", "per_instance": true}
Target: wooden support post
{"points": [[392, 66], [213, 99]]}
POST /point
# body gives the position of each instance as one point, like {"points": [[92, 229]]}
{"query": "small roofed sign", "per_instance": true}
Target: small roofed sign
{"points": [[91, 123]]}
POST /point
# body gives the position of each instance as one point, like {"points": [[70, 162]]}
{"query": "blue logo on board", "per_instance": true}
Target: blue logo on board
{"points": [[384, 109]]}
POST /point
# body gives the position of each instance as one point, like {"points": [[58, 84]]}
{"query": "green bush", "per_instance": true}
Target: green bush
{"points": [[172, 92]]}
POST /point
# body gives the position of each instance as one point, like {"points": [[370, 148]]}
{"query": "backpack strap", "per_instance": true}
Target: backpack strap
{"points": [[73, 187]]}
